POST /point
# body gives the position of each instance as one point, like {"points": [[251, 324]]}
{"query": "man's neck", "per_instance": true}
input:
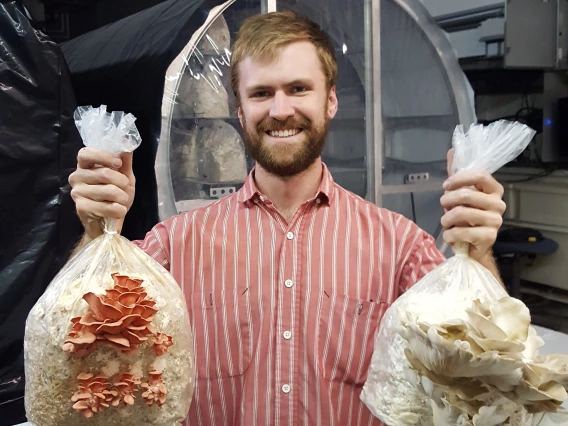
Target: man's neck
{"points": [[288, 194]]}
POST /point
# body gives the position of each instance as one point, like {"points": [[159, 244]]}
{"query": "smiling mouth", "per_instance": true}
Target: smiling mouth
{"points": [[283, 133]]}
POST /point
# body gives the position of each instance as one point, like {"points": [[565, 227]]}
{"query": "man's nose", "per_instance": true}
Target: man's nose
{"points": [[281, 107]]}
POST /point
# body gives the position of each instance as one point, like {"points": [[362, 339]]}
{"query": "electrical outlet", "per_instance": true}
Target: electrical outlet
{"points": [[416, 177], [221, 192]]}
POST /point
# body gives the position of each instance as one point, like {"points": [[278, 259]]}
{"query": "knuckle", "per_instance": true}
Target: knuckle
{"points": [[459, 211], [112, 193], [83, 155], [118, 210], [457, 214], [74, 194], [484, 177], [500, 190], [120, 196], [502, 207], [464, 196], [499, 221], [123, 182], [80, 206], [445, 221], [106, 174]]}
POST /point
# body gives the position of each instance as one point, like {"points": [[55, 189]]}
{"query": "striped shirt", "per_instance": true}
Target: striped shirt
{"points": [[284, 314]]}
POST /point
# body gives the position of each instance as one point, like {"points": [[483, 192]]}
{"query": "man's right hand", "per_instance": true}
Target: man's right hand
{"points": [[103, 186]]}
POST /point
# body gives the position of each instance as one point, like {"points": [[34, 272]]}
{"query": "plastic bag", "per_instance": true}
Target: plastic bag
{"points": [[430, 321], [109, 342]]}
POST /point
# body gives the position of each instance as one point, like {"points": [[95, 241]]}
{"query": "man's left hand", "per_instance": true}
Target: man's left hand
{"points": [[473, 211]]}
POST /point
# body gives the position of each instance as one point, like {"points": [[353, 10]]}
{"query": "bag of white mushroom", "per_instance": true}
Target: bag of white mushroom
{"points": [[109, 342], [455, 349]]}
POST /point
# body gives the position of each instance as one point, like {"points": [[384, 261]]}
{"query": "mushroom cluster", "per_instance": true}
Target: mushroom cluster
{"points": [[155, 390], [484, 370], [123, 390], [161, 343], [92, 396], [99, 392], [120, 319]]}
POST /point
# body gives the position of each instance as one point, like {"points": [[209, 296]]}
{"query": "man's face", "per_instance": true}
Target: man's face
{"points": [[285, 109]]}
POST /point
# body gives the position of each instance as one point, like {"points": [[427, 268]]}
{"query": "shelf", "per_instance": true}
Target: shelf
{"points": [[438, 122], [488, 75]]}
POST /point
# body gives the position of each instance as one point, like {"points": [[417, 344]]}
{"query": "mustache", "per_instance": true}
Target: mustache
{"points": [[270, 124]]}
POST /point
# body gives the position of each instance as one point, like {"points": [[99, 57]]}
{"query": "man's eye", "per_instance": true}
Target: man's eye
{"points": [[298, 89], [262, 94]]}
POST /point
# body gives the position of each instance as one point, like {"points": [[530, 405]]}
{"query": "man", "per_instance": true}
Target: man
{"points": [[287, 279]]}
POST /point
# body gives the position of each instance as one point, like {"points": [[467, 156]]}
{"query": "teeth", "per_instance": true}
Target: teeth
{"points": [[283, 133]]}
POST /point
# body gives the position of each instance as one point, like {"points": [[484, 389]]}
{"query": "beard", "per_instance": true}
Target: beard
{"points": [[286, 159]]}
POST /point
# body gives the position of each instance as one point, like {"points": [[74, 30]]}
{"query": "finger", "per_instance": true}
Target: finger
{"points": [[462, 216], [484, 182], [474, 199], [90, 209], [126, 167], [89, 158], [450, 161], [101, 193], [479, 237], [99, 176]]}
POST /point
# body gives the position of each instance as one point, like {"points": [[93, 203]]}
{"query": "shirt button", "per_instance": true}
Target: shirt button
{"points": [[318, 200], [288, 283], [261, 198], [287, 335], [286, 388], [290, 235]]}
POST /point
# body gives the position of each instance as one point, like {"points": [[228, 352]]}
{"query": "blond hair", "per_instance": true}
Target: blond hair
{"points": [[265, 35]]}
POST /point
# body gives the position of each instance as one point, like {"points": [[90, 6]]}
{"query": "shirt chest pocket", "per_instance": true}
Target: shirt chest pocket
{"points": [[223, 329], [346, 334]]}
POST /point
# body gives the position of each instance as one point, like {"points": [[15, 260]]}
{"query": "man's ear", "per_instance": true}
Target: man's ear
{"points": [[240, 114], [332, 103]]}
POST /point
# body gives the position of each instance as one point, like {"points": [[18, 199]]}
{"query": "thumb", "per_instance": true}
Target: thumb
{"points": [[126, 167], [450, 160]]}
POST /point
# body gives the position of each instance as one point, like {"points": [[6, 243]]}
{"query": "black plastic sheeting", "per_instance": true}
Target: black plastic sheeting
{"points": [[38, 150], [123, 65]]}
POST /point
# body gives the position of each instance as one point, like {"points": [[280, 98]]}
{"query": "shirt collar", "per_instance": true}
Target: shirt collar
{"points": [[249, 191]]}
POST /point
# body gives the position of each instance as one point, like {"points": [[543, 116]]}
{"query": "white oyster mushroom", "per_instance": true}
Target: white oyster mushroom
{"points": [[455, 359], [512, 316], [483, 370], [502, 326], [538, 375], [533, 343], [502, 346], [445, 414], [548, 368], [551, 391], [484, 326], [494, 415]]}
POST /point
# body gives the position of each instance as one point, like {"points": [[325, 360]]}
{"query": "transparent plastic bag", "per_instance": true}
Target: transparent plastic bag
{"points": [[394, 391], [109, 342]]}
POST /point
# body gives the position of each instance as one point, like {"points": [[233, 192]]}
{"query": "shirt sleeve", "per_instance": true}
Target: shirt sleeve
{"points": [[156, 244], [420, 257]]}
